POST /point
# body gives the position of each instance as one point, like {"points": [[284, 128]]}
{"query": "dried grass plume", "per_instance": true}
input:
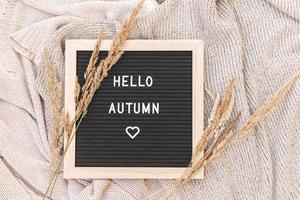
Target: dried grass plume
{"points": [[216, 138], [55, 90], [95, 73]]}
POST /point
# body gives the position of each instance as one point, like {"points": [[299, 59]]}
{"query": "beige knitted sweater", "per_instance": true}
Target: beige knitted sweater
{"points": [[257, 41]]}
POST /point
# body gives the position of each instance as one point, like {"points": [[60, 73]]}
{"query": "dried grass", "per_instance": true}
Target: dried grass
{"points": [[146, 186], [262, 111], [220, 114], [104, 189], [94, 75], [57, 112], [211, 95], [216, 139]]}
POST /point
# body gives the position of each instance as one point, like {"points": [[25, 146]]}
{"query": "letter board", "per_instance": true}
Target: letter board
{"points": [[146, 117]]}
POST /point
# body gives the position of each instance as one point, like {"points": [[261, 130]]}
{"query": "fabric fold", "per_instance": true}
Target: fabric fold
{"points": [[255, 41]]}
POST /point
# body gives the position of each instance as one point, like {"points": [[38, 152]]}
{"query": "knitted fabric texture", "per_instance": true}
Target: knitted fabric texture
{"points": [[256, 41]]}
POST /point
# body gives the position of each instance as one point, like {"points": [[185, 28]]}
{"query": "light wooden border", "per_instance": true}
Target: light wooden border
{"points": [[196, 46]]}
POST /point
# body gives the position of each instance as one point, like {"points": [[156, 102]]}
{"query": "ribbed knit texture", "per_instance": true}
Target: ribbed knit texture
{"points": [[257, 41]]}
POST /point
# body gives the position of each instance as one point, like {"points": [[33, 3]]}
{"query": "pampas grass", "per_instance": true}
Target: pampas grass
{"points": [[221, 113], [94, 75], [213, 142], [57, 112], [262, 111], [216, 139]]}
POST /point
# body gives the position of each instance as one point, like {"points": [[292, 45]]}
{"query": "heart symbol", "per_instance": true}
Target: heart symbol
{"points": [[132, 131]]}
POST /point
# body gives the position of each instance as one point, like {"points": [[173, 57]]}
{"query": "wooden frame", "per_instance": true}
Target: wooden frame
{"points": [[196, 46]]}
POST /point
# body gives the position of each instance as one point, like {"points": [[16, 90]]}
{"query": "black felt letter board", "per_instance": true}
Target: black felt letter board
{"points": [[164, 138]]}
